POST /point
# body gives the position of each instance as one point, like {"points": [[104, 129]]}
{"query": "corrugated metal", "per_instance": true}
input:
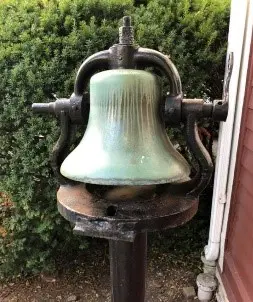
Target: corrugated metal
{"points": [[238, 260]]}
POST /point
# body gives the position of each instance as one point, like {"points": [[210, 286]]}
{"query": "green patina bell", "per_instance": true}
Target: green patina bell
{"points": [[125, 142]]}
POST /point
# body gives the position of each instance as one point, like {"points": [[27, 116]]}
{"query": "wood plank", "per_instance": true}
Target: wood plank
{"points": [[236, 290], [249, 122], [248, 139], [241, 246], [245, 199], [245, 178], [240, 241], [251, 100], [244, 269], [243, 221], [242, 254], [247, 160]]}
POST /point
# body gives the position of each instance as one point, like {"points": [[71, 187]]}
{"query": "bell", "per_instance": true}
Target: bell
{"points": [[125, 142]]}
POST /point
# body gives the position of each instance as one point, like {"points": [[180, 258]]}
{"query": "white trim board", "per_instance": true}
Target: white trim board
{"points": [[239, 43], [237, 118]]}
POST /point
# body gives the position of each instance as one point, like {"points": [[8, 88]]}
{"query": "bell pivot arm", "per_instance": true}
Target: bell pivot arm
{"points": [[77, 106], [189, 111], [56, 107], [217, 110]]}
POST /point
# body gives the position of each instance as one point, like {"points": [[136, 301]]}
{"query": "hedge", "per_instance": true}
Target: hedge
{"points": [[42, 44]]}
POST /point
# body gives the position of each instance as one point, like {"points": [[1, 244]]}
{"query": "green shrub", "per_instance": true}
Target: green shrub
{"points": [[194, 33], [43, 42]]}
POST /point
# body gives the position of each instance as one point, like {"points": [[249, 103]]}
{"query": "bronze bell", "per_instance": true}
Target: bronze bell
{"points": [[125, 142]]}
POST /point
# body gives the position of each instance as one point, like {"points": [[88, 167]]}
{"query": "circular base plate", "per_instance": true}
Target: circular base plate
{"points": [[122, 219]]}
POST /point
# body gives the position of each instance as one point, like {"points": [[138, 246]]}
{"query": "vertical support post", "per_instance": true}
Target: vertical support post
{"points": [[128, 261]]}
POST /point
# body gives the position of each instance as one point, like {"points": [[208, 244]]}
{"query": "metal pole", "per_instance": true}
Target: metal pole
{"points": [[128, 269]]}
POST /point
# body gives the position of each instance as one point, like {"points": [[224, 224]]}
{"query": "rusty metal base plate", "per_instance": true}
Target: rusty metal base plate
{"points": [[96, 216]]}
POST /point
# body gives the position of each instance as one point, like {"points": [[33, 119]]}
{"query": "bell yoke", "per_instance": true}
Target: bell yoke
{"points": [[125, 149]]}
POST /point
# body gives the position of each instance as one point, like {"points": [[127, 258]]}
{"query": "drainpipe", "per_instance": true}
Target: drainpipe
{"points": [[211, 251], [207, 282], [224, 148]]}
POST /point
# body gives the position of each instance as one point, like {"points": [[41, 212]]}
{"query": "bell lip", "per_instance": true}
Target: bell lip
{"points": [[130, 182]]}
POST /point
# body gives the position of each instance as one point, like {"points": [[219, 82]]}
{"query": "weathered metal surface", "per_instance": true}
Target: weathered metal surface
{"points": [[143, 56], [116, 219], [125, 142], [127, 55], [220, 108], [203, 159], [128, 269], [126, 32], [61, 148]]}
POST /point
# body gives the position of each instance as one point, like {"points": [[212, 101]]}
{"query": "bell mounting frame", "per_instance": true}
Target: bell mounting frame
{"points": [[128, 55]]}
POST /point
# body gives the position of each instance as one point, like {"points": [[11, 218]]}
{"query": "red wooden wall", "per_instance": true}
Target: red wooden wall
{"points": [[238, 259]]}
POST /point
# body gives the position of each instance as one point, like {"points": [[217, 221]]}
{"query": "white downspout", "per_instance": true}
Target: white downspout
{"points": [[224, 168], [219, 198]]}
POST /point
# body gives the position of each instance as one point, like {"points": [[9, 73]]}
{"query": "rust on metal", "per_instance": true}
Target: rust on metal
{"points": [[122, 219]]}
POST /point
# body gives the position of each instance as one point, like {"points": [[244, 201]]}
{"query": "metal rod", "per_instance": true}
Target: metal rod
{"points": [[128, 269]]}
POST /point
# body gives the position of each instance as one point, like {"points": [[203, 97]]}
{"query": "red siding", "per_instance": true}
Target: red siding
{"points": [[238, 260], [251, 101]]}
